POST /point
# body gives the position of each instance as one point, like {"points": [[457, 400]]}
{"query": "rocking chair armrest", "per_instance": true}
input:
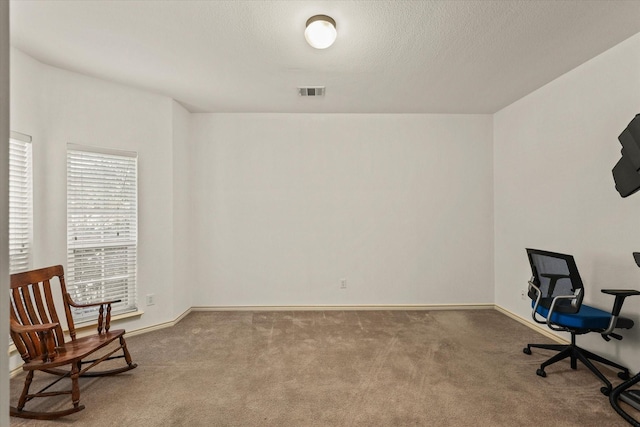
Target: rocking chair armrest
{"points": [[104, 323], [21, 329], [48, 350], [92, 304]]}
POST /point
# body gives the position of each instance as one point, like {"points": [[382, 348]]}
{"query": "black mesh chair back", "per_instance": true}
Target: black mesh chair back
{"points": [[555, 275]]}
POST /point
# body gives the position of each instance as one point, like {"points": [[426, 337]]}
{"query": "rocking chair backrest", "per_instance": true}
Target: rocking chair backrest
{"points": [[32, 303]]}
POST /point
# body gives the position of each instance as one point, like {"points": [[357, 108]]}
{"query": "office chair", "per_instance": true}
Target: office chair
{"points": [[623, 391], [556, 291]]}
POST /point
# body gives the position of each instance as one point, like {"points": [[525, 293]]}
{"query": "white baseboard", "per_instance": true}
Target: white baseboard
{"points": [[362, 307]]}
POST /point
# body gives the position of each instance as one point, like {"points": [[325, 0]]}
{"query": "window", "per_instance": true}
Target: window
{"points": [[20, 202], [102, 228]]}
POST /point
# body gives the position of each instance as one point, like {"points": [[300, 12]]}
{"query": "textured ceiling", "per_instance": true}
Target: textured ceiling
{"points": [[390, 56]]}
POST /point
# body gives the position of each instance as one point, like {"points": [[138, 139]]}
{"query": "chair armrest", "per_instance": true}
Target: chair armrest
{"points": [[92, 304], [553, 306], [620, 295], [625, 292], [104, 322], [45, 334], [21, 329], [534, 311]]}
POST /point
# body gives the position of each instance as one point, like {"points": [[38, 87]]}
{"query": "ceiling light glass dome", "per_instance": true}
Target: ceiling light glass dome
{"points": [[321, 31]]}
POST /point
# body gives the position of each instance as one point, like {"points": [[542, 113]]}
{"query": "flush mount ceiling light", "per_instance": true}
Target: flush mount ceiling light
{"points": [[321, 31]]}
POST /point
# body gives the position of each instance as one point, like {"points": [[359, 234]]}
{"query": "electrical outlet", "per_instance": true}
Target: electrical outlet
{"points": [[343, 283], [151, 299]]}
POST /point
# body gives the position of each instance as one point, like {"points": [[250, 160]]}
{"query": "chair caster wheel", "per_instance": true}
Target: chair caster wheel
{"points": [[623, 375], [605, 390], [541, 373], [526, 350]]}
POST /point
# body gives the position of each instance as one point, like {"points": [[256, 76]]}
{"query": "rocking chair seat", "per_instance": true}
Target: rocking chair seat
{"points": [[75, 350]]}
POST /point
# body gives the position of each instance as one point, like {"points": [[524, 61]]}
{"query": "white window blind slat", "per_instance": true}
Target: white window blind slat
{"points": [[20, 203], [102, 224]]}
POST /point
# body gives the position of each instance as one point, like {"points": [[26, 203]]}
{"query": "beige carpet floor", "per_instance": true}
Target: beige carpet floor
{"points": [[338, 368]]}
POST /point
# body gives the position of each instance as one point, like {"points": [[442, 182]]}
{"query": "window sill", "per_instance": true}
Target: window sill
{"points": [[83, 327]]}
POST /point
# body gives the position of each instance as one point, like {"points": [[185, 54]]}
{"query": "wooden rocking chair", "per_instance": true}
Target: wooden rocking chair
{"points": [[38, 336]]}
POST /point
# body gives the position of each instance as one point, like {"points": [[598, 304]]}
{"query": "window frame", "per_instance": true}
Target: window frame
{"points": [[102, 263]]}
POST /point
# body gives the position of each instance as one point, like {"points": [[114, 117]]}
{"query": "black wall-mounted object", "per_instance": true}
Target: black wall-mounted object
{"points": [[626, 173]]}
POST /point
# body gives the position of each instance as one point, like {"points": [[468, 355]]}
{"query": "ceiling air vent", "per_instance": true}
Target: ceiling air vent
{"points": [[311, 91]]}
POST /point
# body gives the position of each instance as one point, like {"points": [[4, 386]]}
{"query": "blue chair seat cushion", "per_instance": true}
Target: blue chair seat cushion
{"points": [[586, 318]]}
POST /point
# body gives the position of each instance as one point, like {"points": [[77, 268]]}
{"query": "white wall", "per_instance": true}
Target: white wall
{"points": [[57, 107], [4, 208], [286, 205], [306, 199], [553, 155], [276, 208]]}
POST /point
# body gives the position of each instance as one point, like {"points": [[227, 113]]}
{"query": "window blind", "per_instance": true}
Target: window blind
{"points": [[102, 228], [20, 202]]}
